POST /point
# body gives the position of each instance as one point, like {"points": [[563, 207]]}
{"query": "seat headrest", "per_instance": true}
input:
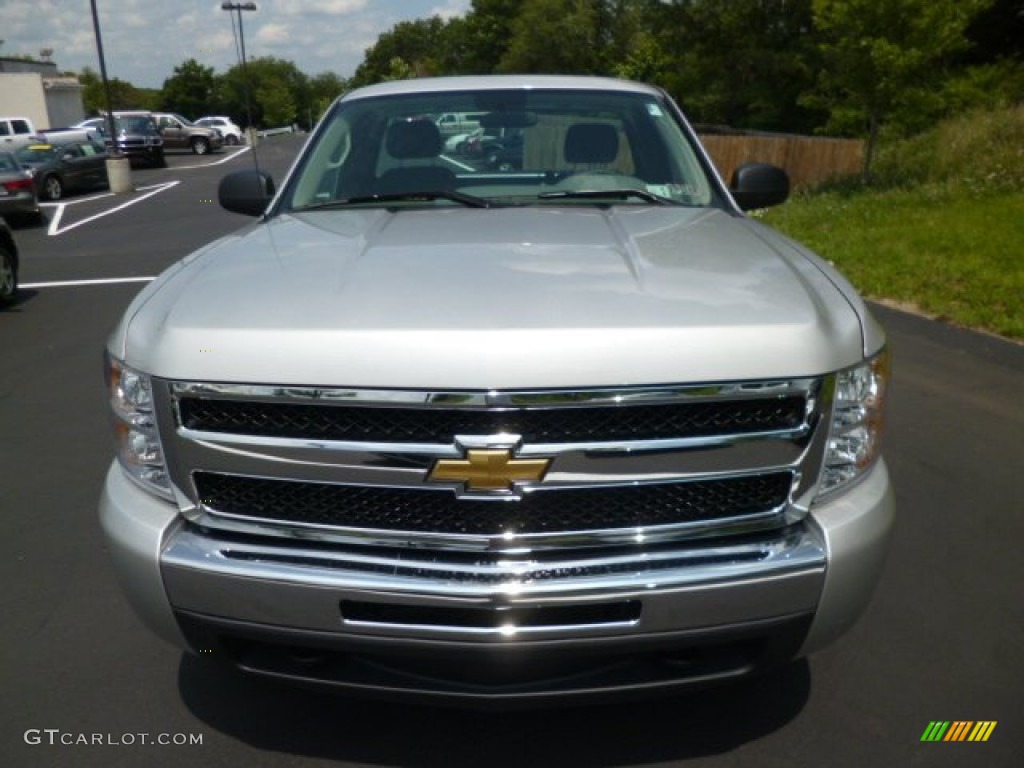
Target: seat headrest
{"points": [[591, 143], [408, 139]]}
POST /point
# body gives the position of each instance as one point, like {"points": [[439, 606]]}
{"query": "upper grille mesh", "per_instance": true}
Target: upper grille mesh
{"points": [[441, 425]]}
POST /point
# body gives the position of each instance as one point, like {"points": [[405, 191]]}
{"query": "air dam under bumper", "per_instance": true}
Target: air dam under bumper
{"points": [[704, 614]]}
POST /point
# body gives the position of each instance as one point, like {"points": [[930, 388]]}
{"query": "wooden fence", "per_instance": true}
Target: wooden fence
{"points": [[808, 160]]}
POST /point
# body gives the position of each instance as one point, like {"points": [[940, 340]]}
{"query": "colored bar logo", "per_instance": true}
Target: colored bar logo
{"points": [[958, 730]]}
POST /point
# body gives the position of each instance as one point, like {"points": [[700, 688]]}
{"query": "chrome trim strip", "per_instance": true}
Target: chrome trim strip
{"points": [[535, 399], [508, 632], [570, 468], [284, 445], [507, 543]]}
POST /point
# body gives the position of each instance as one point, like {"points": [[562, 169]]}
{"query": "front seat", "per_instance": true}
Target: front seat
{"points": [[591, 145], [414, 139]]}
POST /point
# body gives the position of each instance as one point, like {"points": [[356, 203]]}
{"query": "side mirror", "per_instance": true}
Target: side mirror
{"points": [[759, 185], [247, 192]]}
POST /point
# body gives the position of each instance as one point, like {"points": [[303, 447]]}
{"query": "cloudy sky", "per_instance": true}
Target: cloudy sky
{"points": [[145, 39]]}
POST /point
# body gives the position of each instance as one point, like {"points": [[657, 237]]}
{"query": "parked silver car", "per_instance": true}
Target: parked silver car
{"points": [[430, 429], [18, 198]]}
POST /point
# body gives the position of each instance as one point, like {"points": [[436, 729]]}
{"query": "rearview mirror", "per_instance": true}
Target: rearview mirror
{"points": [[247, 192], [508, 120], [759, 185]]}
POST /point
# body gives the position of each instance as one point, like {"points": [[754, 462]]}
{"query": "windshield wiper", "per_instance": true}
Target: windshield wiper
{"points": [[619, 193], [470, 201]]}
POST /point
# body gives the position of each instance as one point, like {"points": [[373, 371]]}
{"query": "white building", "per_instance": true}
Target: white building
{"points": [[34, 89]]}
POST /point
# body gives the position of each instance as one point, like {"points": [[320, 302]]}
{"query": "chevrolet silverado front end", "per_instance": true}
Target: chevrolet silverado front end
{"points": [[430, 430]]}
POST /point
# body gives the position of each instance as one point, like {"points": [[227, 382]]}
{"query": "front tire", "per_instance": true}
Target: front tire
{"points": [[53, 189], [200, 146], [8, 276], [231, 140]]}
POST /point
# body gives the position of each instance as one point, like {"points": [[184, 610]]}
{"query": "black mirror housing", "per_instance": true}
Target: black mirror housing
{"points": [[759, 185], [247, 192]]}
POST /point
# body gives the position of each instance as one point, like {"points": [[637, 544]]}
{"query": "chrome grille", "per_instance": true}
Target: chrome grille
{"points": [[352, 468], [439, 511]]}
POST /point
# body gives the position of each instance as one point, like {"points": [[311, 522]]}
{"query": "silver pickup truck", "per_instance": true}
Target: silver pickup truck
{"points": [[426, 429]]}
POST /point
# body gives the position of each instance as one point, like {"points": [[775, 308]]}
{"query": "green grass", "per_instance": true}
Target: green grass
{"points": [[983, 150], [942, 232]]}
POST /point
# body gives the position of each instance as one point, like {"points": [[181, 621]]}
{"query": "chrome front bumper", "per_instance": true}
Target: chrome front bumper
{"points": [[314, 597]]}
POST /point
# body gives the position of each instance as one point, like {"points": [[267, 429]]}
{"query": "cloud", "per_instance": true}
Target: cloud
{"points": [[308, 8], [144, 40], [273, 33], [450, 9]]}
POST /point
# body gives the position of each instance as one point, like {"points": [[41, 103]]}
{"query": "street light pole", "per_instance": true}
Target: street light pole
{"points": [[238, 8], [103, 75], [118, 166]]}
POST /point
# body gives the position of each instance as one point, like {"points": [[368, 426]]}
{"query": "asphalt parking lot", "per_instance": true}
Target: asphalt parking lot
{"points": [[941, 640]]}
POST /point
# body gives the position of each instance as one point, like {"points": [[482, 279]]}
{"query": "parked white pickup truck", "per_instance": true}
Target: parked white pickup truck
{"points": [[15, 132], [429, 429], [454, 123]]}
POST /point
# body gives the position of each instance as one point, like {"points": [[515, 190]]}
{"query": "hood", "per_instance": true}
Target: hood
{"points": [[499, 298]]}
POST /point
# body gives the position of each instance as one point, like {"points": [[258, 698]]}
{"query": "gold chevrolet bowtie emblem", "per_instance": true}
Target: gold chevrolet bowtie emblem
{"points": [[489, 470]]}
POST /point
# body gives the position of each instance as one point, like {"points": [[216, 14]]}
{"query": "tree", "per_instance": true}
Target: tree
{"points": [[190, 91], [646, 61], [883, 60], [276, 88], [276, 102], [477, 42], [323, 90], [561, 36], [417, 45], [743, 63], [123, 95], [996, 33]]}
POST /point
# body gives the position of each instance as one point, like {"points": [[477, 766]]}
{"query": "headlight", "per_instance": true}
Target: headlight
{"points": [[858, 416], [135, 431]]}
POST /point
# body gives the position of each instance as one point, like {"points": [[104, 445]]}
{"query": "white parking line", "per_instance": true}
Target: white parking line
{"points": [[72, 283], [55, 229], [90, 199], [63, 203], [227, 159]]}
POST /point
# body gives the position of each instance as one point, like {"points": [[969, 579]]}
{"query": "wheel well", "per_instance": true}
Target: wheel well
{"points": [[7, 243]]}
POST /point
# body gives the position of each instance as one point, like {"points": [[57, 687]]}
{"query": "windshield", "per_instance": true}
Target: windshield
{"points": [[136, 125], [37, 153], [8, 163], [500, 147]]}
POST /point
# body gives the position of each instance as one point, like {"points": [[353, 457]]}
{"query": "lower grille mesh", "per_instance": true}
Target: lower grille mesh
{"points": [[440, 511]]}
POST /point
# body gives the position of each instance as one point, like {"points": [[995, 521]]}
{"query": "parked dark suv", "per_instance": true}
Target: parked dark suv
{"points": [[138, 137]]}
